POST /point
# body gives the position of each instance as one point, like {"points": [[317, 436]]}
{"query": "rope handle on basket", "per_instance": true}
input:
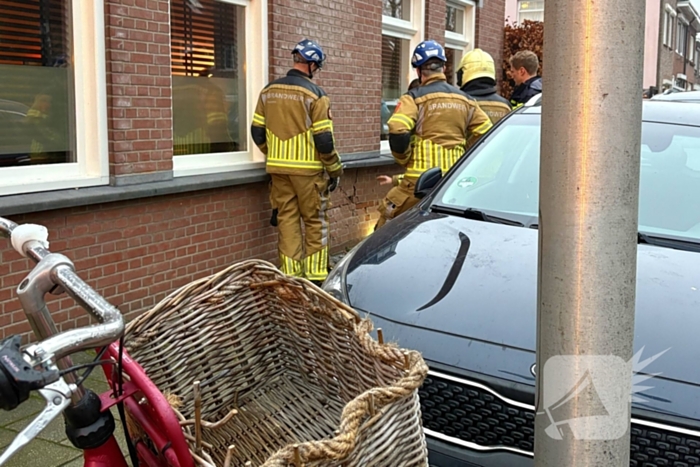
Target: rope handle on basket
{"points": [[355, 414]]}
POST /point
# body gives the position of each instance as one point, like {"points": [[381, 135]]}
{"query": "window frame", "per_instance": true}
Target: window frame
{"points": [[682, 26], [669, 25], [534, 10], [462, 43], [412, 31], [91, 167], [256, 68]]}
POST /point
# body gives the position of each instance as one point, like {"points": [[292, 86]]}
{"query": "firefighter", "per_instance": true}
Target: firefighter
{"points": [[477, 79], [293, 127], [432, 126], [523, 71]]}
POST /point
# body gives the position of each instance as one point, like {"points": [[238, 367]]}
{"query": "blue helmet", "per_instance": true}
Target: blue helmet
{"points": [[310, 51], [427, 50]]}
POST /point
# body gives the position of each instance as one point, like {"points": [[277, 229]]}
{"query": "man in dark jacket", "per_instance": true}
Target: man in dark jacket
{"points": [[477, 78], [523, 70]]}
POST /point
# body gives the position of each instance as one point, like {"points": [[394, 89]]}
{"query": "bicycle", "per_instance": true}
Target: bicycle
{"points": [[46, 367]]}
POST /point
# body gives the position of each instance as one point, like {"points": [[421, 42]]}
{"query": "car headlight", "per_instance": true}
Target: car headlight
{"points": [[335, 282]]}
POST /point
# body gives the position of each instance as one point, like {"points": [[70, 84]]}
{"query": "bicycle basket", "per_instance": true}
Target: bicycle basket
{"points": [[287, 375]]}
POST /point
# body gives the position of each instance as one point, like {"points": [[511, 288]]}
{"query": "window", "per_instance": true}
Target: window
{"points": [[681, 83], [501, 176], [682, 33], [669, 22], [217, 71], [402, 26], [459, 35], [400, 9], [44, 57], [691, 49], [395, 56], [530, 10]]}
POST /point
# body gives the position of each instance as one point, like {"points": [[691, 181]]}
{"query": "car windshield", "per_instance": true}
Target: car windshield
{"points": [[501, 177]]}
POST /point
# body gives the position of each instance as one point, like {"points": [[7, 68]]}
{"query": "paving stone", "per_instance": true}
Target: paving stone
{"points": [[6, 437], [55, 432], [42, 453], [29, 408]]}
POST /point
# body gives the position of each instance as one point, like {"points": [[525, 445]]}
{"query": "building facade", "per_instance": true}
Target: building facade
{"points": [[670, 40], [124, 127]]}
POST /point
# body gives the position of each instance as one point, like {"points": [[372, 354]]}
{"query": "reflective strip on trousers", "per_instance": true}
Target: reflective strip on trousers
{"points": [[290, 266], [316, 265]]}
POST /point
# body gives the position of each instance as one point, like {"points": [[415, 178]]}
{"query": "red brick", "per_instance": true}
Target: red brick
{"points": [[133, 46]]}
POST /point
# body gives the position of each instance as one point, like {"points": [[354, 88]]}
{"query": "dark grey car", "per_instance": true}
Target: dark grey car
{"points": [[456, 278]]}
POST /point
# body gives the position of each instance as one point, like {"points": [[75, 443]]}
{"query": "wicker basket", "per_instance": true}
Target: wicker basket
{"points": [[288, 376]]}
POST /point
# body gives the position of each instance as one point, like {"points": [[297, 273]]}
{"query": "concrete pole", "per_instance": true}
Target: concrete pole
{"points": [[590, 161]]}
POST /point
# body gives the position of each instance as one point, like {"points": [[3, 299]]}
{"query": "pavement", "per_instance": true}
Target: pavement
{"points": [[51, 448]]}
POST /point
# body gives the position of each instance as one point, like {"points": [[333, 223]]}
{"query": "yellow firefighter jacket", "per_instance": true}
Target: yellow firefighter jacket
{"points": [[433, 125], [483, 91], [293, 127]]}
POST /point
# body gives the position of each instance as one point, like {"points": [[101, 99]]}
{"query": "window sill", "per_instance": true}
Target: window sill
{"points": [[61, 199]]}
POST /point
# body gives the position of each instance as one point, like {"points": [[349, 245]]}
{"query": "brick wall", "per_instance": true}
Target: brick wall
{"points": [[350, 35], [435, 14], [489, 29], [136, 252], [138, 87]]}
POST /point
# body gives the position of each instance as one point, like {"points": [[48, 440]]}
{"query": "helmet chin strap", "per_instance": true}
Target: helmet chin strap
{"points": [[311, 75]]}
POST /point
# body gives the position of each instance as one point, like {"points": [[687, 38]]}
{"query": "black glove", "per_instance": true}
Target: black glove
{"points": [[333, 184], [273, 219]]}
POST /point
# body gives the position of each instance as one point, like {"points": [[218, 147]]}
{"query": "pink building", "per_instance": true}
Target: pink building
{"points": [[671, 40]]}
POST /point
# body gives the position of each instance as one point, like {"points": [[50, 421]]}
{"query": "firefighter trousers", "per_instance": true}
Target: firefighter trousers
{"points": [[302, 199], [399, 200]]}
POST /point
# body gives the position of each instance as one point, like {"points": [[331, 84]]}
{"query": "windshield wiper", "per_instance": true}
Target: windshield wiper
{"points": [[668, 242], [470, 213]]}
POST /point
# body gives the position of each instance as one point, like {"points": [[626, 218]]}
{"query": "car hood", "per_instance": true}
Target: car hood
{"points": [[465, 293]]}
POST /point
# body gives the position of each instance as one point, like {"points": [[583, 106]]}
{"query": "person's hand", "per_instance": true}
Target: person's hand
{"points": [[333, 184], [384, 180]]}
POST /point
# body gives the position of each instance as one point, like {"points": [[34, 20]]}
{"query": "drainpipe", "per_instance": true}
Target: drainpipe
{"points": [[589, 191]]}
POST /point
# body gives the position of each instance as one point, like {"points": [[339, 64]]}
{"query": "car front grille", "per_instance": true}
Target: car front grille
{"points": [[474, 416]]}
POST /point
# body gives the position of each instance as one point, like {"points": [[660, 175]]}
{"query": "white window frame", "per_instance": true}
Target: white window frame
{"points": [[413, 31], [462, 43], [256, 77], [90, 90], [669, 24], [518, 10], [690, 47]]}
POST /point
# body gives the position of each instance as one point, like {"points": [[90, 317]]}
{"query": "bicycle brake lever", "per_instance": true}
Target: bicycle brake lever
{"points": [[57, 397]]}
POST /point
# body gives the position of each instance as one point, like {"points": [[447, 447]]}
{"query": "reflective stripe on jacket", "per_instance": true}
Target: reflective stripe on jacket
{"points": [[293, 127], [433, 125]]}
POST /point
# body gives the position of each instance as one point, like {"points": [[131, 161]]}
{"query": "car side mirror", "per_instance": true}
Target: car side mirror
{"points": [[427, 181]]}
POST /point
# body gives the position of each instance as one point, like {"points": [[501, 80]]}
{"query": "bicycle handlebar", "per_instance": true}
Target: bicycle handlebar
{"points": [[52, 271]]}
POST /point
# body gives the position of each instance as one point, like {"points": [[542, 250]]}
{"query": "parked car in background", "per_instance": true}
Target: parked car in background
{"points": [[456, 278]]}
